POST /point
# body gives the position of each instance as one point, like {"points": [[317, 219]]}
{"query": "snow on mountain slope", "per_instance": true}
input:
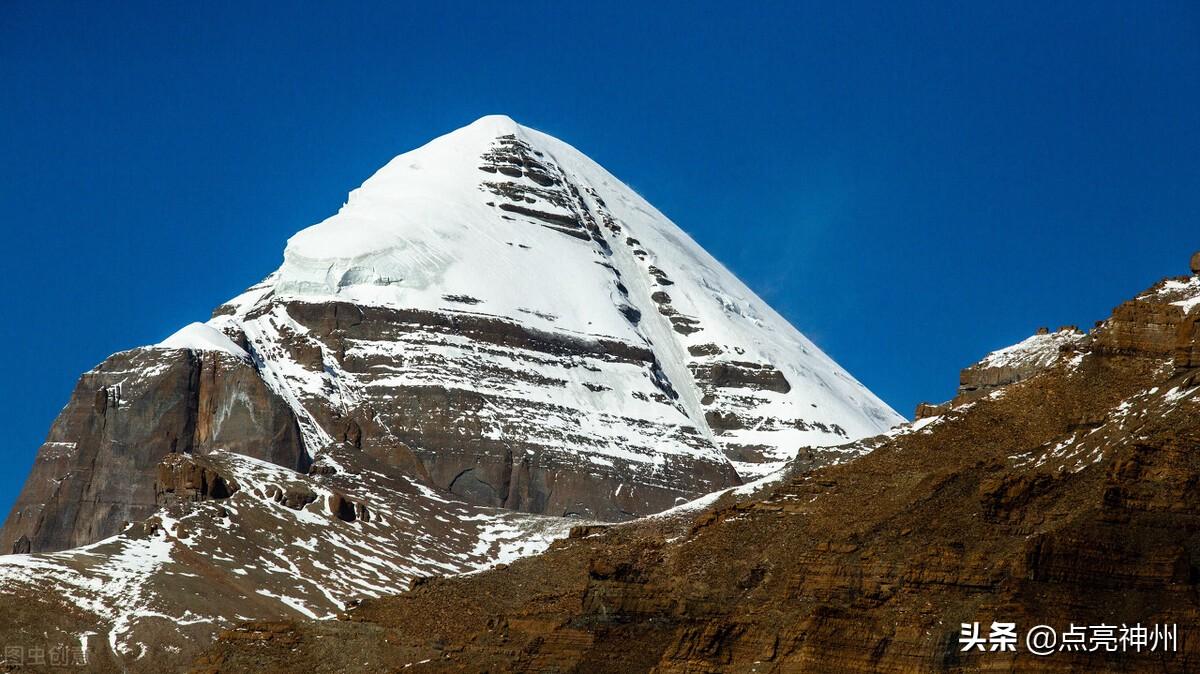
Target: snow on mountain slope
{"points": [[201, 337], [1035, 352]]}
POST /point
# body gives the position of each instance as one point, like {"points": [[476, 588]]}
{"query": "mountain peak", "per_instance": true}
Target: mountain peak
{"points": [[498, 125], [499, 220]]}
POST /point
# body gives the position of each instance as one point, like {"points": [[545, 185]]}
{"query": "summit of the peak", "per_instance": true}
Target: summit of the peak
{"points": [[484, 130], [489, 130], [499, 123]]}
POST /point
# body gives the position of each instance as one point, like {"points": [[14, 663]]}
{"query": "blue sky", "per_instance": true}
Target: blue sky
{"points": [[911, 186]]}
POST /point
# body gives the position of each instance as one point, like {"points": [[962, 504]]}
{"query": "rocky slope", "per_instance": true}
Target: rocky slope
{"points": [[492, 340], [1065, 494], [234, 538]]}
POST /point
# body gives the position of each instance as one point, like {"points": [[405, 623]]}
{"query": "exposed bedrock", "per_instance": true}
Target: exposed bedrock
{"points": [[1016, 363], [183, 478], [1160, 322], [334, 320], [737, 374], [98, 467], [487, 408]]}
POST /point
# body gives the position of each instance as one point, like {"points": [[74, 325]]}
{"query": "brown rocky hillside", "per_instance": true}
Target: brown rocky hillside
{"points": [[1062, 486]]}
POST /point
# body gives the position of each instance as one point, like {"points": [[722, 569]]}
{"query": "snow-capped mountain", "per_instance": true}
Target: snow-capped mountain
{"points": [[633, 349], [492, 340]]}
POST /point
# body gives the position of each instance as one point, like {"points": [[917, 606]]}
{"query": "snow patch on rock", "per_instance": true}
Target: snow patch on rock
{"points": [[1038, 351], [203, 337]]}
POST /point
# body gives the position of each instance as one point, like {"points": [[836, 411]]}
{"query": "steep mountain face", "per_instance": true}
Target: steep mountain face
{"points": [[493, 312], [494, 340], [95, 472], [539, 335], [1065, 494]]}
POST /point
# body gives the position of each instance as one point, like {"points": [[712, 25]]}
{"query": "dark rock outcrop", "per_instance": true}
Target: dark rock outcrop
{"points": [[926, 410], [737, 374], [98, 467], [189, 478], [21, 546]]}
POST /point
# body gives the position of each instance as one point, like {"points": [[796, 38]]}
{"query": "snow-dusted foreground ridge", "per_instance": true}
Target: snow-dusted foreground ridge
{"points": [[281, 544], [492, 341]]}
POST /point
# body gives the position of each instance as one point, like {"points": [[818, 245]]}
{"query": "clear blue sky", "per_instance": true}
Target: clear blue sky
{"points": [[912, 187]]}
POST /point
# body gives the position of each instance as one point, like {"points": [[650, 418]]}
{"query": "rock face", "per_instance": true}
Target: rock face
{"points": [[1017, 362], [183, 478], [1068, 497], [96, 471], [1160, 322]]}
